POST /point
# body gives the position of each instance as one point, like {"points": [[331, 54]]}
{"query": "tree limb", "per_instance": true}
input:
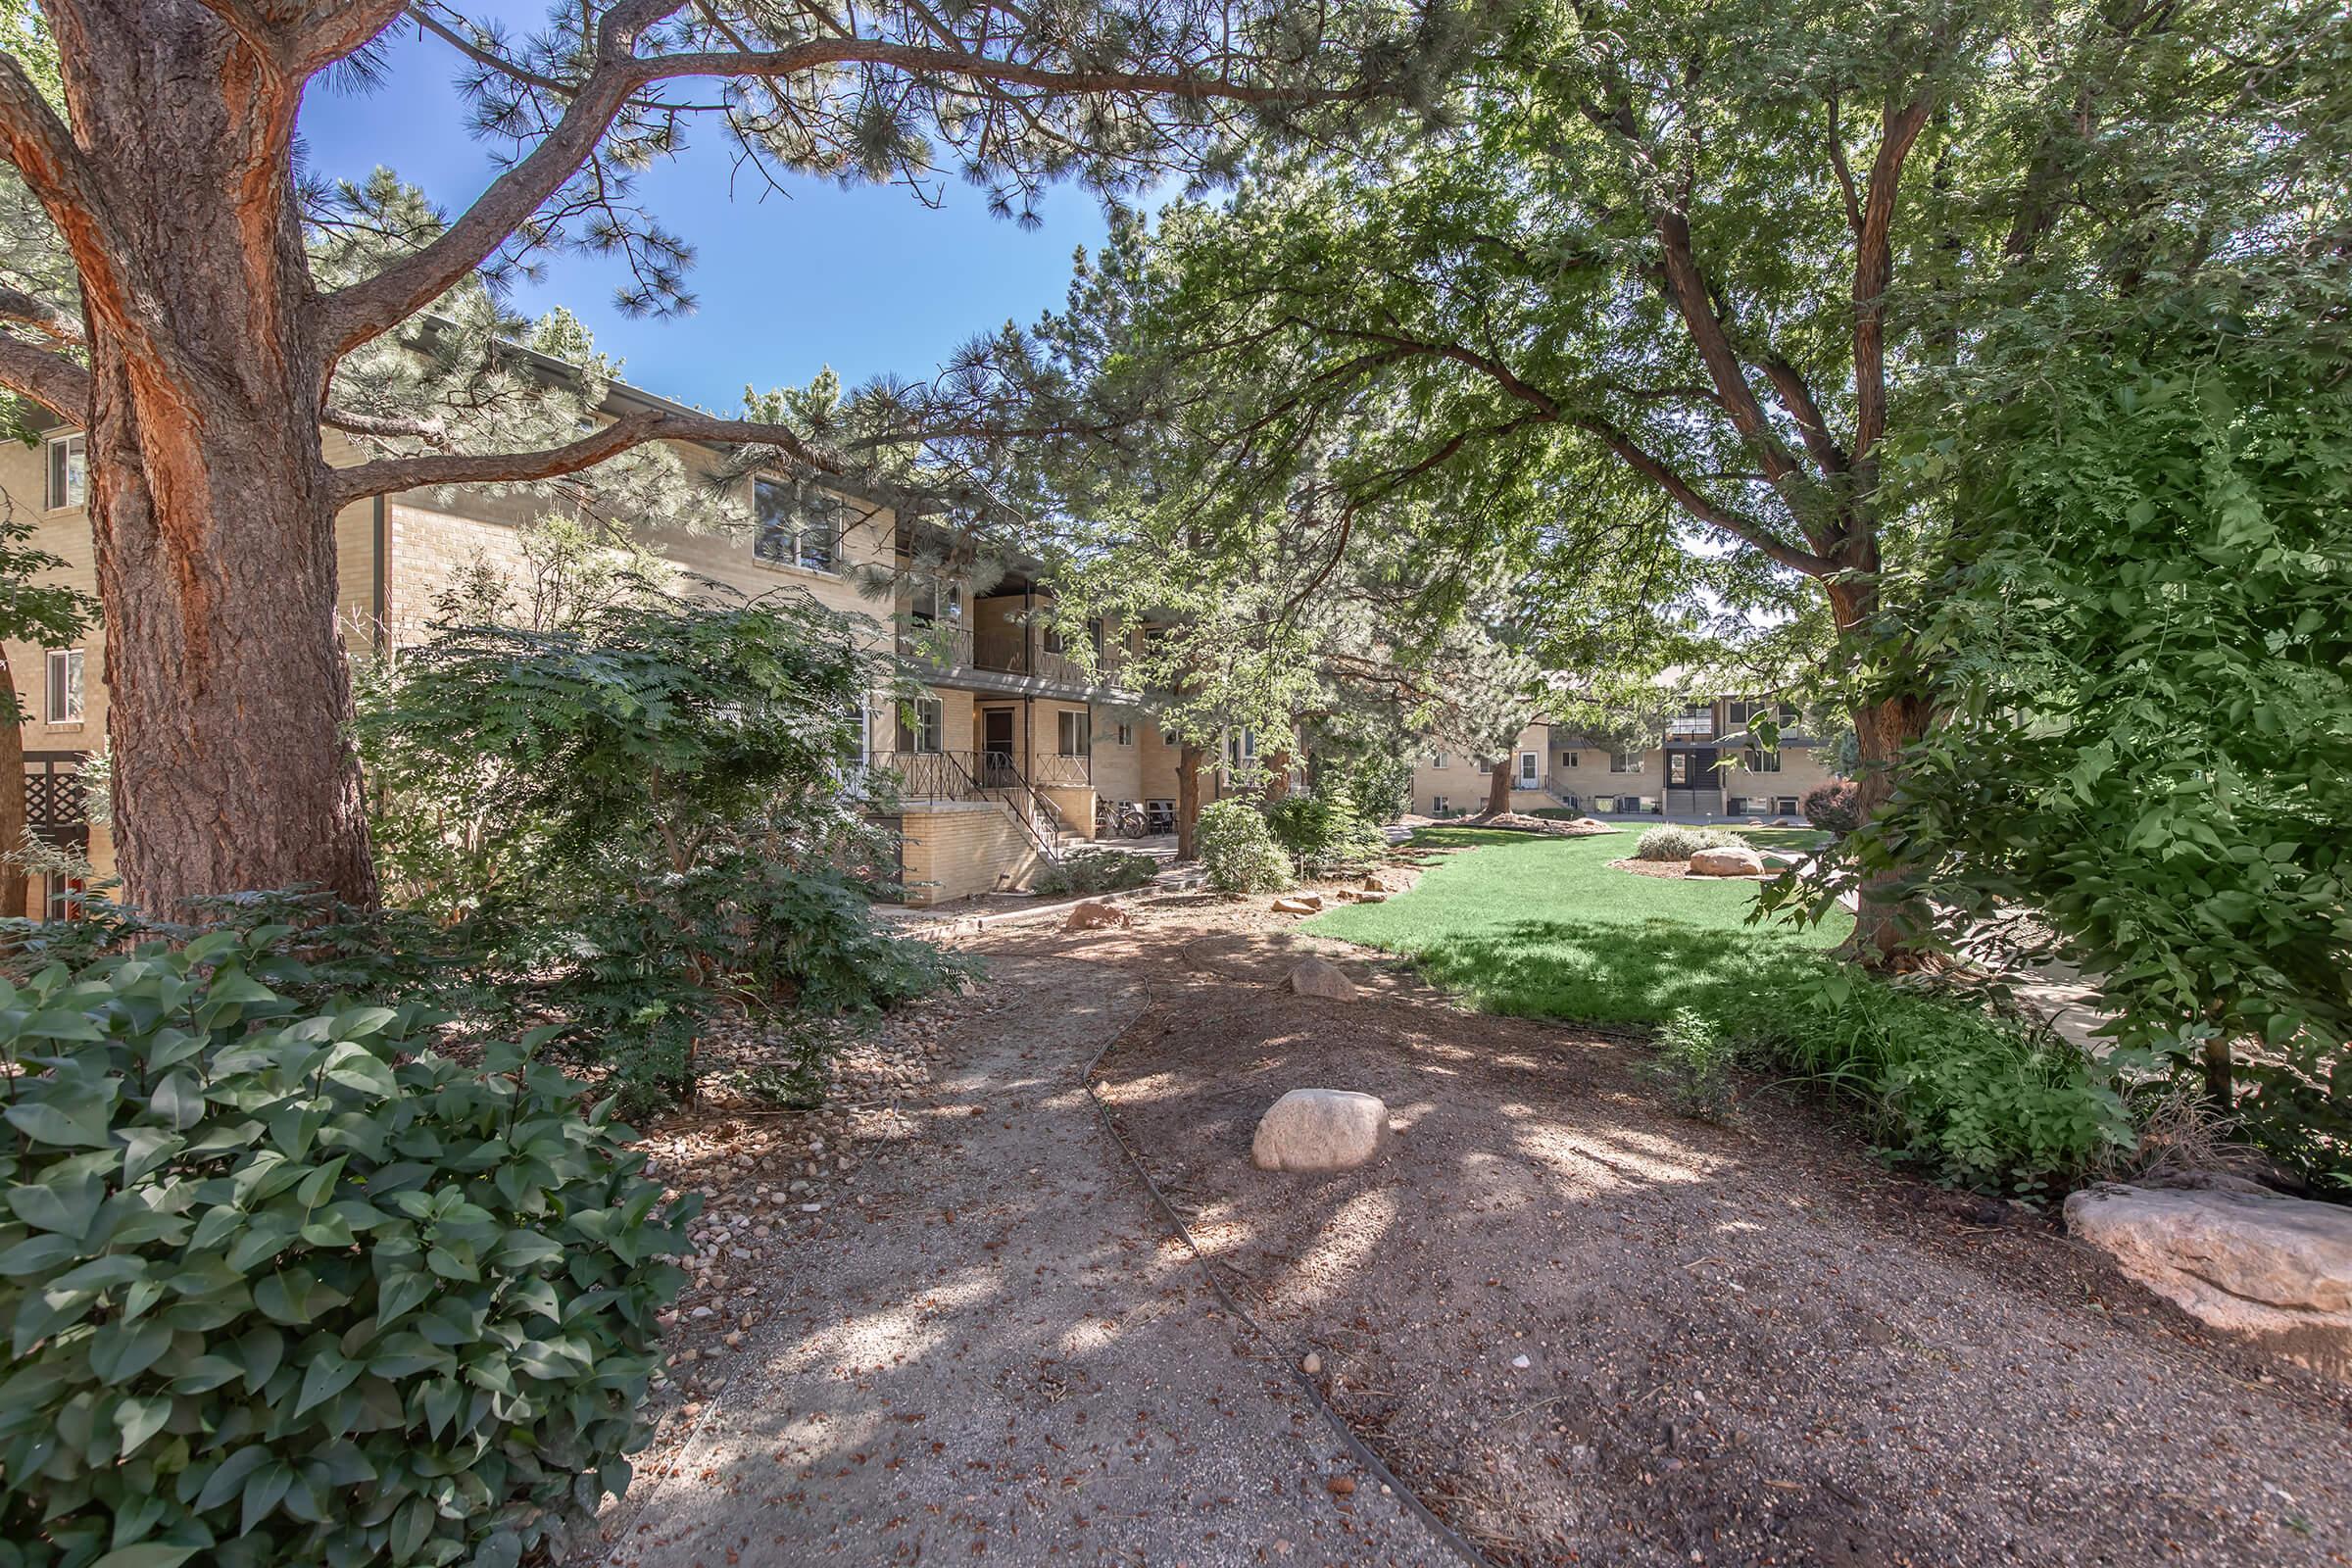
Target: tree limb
{"points": [[1873, 271], [354, 314], [48, 378], [387, 474], [38, 314]]}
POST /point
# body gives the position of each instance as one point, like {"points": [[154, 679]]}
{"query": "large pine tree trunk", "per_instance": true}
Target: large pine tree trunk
{"points": [[229, 701], [1498, 787]]}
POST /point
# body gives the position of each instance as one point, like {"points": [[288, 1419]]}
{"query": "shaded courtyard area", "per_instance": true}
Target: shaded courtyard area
{"points": [[1581, 1328]]}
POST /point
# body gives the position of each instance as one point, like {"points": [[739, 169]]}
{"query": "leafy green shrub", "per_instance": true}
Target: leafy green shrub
{"points": [[1676, 844], [1694, 1057], [1835, 806], [1976, 1098], [1096, 870], [1323, 833], [1237, 851], [281, 1298]]}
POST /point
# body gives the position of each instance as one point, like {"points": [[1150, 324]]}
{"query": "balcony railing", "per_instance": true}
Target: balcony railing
{"points": [[932, 775], [1004, 651], [1061, 771]]}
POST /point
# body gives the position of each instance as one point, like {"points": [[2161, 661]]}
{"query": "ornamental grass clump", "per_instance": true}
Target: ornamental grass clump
{"points": [[287, 1286], [1671, 843]]}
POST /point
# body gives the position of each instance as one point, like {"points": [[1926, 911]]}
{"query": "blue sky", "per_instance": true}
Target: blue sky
{"points": [[866, 280]]}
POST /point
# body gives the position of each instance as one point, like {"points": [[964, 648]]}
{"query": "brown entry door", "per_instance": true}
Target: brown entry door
{"points": [[996, 746]]}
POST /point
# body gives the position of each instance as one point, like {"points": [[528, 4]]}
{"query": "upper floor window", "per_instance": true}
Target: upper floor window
{"points": [[935, 601], [64, 685], [1436, 759], [798, 525], [1567, 758], [1054, 641], [68, 471], [1241, 747]]}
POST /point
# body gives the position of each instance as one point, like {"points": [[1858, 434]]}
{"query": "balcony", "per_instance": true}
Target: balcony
{"points": [[1015, 653]]}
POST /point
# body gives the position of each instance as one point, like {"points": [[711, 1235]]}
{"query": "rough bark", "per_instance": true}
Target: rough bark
{"points": [[1499, 788], [1188, 798], [11, 801], [228, 699], [1278, 776], [1887, 923]]}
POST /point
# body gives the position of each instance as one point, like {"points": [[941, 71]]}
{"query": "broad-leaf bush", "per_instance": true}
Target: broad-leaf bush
{"points": [[643, 823], [1973, 1097], [1238, 855], [287, 1286]]}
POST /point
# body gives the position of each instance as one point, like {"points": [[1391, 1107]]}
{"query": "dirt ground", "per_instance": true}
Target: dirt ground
{"points": [[1749, 1344], [1744, 1344]]}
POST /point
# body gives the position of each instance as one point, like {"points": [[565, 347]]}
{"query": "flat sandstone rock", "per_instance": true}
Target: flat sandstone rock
{"points": [[2274, 1269], [1315, 977], [1726, 862], [1096, 915], [1314, 1131]]}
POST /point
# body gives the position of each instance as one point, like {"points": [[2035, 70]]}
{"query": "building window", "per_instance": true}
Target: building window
{"points": [[922, 725], [1568, 759], [797, 526], [1678, 768], [1053, 640], [64, 685], [68, 471], [1241, 748], [1436, 759], [935, 601], [1126, 734], [1167, 737], [1625, 761], [1760, 760], [1077, 733], [1436, 805]]}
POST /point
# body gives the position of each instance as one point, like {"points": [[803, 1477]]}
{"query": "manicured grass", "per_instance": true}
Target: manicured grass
{"points": [[1543, 928]]}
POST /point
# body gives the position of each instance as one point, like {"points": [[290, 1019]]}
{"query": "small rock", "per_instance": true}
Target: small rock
{"points": [[1317, 978], [1298, 903], [1521, 1363], [1319, 1130], [1312, 1364], [1341, 1487], [1096, 915]]}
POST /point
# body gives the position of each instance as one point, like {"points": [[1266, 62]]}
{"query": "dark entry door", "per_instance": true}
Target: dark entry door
{"points": [[996, 746]]}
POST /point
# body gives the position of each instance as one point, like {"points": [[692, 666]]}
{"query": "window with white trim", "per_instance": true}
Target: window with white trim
{"points": [[1530, 768], [797, 525], [1568, 759], [1436, 759], [1126, 734], [64, 685], [1625, 761], [1760, 760], [1076, 732], [922, 725], [1436, 805], [68, 471]]}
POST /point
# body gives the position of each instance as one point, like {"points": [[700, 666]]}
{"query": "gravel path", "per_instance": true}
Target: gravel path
{"points": [[1007, 1360]]}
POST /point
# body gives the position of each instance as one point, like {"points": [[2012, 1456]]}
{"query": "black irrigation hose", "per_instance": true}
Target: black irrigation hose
{"points": [[1364, 1456]]}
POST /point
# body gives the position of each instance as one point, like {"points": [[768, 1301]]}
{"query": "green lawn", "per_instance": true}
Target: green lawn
{"points": [[1543, 928]]}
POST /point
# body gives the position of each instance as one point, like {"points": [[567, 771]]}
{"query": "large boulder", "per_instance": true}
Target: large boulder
{"points": [[1318, 977], [1314, 1131], [1298, 903], [1726, 862], [2274, 1269]]}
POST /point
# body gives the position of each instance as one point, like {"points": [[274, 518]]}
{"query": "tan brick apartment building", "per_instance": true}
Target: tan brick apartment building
{"points": [[1706, 762], [1002, 758]]}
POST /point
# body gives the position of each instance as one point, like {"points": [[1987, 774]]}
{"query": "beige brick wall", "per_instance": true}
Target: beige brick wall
{"points": [[960, 847]]}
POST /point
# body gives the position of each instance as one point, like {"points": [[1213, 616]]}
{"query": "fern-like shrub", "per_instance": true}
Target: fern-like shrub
{"points": [[288, 1287]]}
